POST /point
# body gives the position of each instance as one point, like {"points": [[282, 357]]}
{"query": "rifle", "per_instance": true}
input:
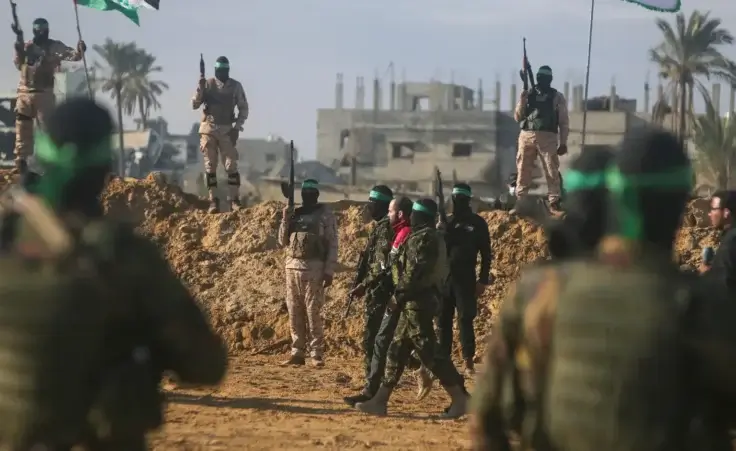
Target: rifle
{"points": [[440, 196], [526, 74], [15, 26], [201, 75], [360, 274], [287, 188]]}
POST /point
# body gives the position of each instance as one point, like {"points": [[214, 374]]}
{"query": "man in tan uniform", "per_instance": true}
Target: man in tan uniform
{"points": [[310, 235], [542, 114], [37, 60], [218, 136]]}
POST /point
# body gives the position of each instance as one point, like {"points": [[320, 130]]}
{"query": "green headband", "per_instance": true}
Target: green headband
{"points": [[544, 71], [461, 191], [581, 181], [624, 192], [219, 65], [40, 26], [310, 185], [64, 162], [419, 207], [376, 195]]}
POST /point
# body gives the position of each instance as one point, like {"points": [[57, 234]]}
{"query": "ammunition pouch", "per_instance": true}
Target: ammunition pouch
{"points": [[211, 180], [129, 402], [233, 179], [22, 117]]}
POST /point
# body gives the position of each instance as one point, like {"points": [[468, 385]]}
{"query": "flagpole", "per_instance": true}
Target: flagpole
{"points": [[587, 75], [84, 56]]}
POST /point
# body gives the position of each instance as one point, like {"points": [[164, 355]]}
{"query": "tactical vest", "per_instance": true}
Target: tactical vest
{"points": [[306, 241], [53, 325], [37, 74], [619, 378], [440, 272], [540, 113], [381, 246], [219, 102]]}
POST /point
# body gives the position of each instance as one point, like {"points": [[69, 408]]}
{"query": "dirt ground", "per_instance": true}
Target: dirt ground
{"points": [[232, 265]]}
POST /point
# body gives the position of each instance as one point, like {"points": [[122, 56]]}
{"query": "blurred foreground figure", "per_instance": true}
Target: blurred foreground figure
{"points": [[91, 313], [577, 234]]}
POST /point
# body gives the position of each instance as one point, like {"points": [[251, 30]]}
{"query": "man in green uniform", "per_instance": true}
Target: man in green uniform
{"points": [[575, 235], [374, 283], [415, 271], [153, 325]]}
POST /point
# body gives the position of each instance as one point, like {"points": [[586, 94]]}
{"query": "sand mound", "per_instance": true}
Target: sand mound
{"points": [[232, 263]]}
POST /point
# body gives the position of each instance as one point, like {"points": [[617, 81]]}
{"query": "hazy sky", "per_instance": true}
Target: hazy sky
{"points": [[287, 52]]}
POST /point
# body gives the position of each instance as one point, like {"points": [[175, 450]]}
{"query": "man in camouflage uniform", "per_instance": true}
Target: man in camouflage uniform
{"points": [[374, 262], [310, 235], [37, 60], [220, 129], [542, 115], [154, 324], [576, 235], [415, 272]]}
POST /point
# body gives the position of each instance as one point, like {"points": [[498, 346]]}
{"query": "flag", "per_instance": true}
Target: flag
{"points": [[665, 6], [129, 8], [153, 3]]}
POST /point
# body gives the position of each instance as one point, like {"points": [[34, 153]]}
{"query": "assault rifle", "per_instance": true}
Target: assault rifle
{"points": [[287, 188], [440, 196], [15, 26], [526, 73], [361, 272]]}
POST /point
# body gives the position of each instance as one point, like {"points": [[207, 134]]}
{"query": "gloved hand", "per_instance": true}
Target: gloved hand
{"points": [[81, 47], [234, 135], [202, 83], [562, 149], [20, 48]]}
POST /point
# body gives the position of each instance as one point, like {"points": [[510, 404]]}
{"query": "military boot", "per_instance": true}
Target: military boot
{"points": [[294, 360], [424, 382], [378, 404], [235, 205], [355, 399], [214, 206], [459, 406]]}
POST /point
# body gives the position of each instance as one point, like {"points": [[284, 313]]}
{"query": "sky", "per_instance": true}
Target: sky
{"points": [[286, 53]]}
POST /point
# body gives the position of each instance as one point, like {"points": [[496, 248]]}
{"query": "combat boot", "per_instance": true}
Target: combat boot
{"points": [[355, 399], [294, 360], [235, 205], [378, 404], [214, 206], [424, 382], [469, 367], [459, 405]]}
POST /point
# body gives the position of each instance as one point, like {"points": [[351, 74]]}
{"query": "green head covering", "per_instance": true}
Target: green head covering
{"points": [[461, 189], [41, 24], [625, 190], [222, 63], [64, 162], [544, 70], [423, 208], [310, 184]]}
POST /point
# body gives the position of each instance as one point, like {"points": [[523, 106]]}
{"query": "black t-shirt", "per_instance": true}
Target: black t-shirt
{"points": [[723, 268], [466, 237]]}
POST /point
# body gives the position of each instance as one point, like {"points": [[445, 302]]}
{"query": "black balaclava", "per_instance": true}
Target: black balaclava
{"points": [[222, 69], [310, 195], [378, 201], [649, 188], [461, 196], [423, 214], [40, 31], [585, 203], [544, 78], [76, 155]]}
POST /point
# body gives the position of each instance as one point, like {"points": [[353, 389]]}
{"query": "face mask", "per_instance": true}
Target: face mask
{"points": [[418, 219], [377, 210], [222, 74], [309, 198], [460, 205], [40, 36]]}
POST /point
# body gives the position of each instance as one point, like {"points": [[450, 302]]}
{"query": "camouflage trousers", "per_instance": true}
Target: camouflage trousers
{"points": [[544, 146], [305, 296], [217, 144], [375, 307], [29, 107], [415, 331]]}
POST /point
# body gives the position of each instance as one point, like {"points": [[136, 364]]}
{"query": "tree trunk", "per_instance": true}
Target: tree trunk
{"points": [[143, 114], [121, 139], [683, 112]]}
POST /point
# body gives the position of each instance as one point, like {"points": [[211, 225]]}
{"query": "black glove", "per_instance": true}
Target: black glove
{"points": [[234, 135], [562, 150]]}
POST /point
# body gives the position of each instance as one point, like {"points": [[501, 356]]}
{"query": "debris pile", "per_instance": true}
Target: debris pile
{"points": [[232, 263]]}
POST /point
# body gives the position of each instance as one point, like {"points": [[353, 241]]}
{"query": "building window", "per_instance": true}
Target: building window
{"points": [[403, 149], [462, 149], [270, 158]]}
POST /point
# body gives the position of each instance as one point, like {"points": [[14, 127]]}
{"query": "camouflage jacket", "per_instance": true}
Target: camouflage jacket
{"points": [[508, 392], [377, 251], [414, 268]]}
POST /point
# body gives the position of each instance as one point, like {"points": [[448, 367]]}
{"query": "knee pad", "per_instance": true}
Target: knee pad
{"points": [[211, 180], [233, 179], [22, 117]]}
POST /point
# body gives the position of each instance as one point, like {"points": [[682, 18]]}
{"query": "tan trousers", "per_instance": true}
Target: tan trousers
{"points": [[30, 107], [305, 296], [544, 146], [217, 144]]}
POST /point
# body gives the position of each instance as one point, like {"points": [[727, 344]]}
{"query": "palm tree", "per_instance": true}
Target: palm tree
{"points": [[715, 140], [690, 50], [141, 92]]}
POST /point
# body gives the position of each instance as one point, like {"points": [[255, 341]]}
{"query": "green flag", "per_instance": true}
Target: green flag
{"points": [[129, 8]]}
